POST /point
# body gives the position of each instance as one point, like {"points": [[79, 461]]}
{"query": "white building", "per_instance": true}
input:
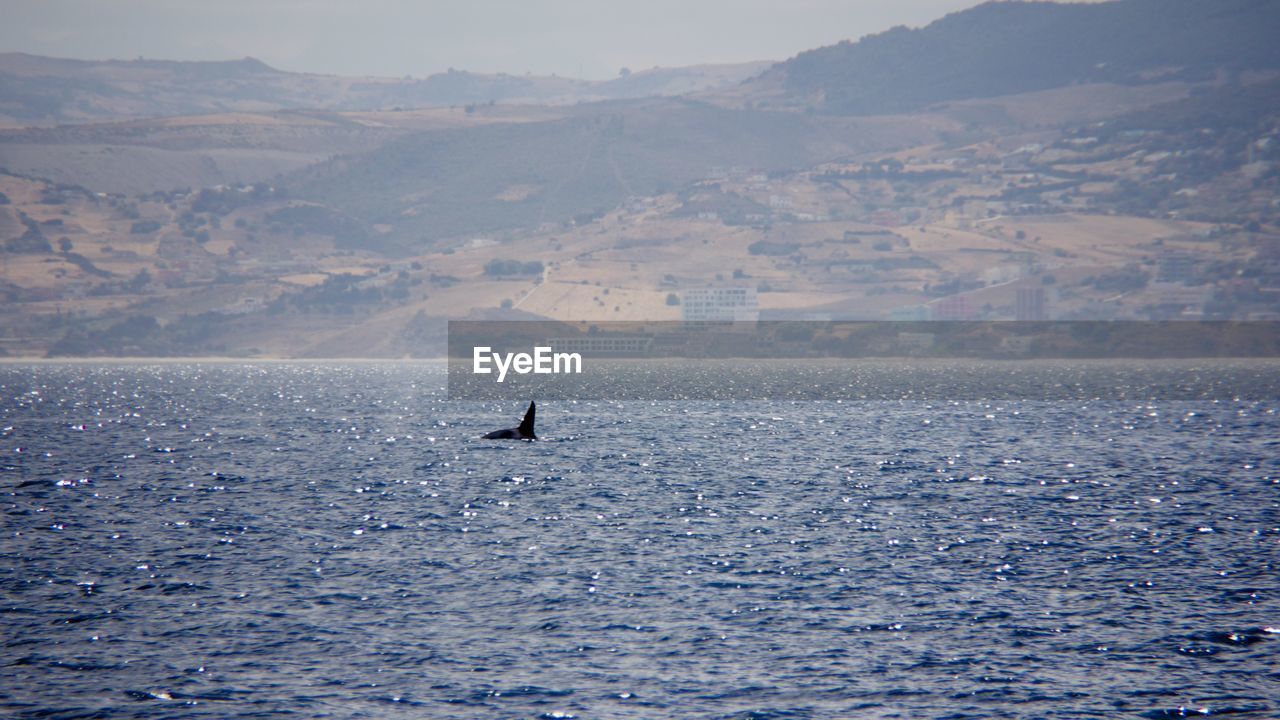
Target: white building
{"points": [[726, 304], [589, 345]]}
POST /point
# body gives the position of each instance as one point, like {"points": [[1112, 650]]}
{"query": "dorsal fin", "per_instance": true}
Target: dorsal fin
{"points": [[526, 425]]}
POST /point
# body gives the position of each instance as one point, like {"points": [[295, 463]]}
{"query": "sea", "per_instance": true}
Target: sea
{"points": [[334, 540]]}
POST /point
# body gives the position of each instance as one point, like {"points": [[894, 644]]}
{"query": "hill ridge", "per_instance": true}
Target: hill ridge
{"points": [[39, 90], [1001, 48]]}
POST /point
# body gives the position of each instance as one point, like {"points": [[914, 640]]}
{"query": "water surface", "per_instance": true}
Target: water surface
{"points": [[334, 540]]}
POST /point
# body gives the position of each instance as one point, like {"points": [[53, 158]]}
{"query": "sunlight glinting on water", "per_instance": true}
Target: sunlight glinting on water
{"points": [[308, 538]]}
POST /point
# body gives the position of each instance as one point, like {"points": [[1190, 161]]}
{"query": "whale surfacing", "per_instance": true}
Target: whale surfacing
{"points": [[523, 432]]}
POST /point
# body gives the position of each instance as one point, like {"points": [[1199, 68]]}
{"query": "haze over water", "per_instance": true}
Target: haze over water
{"points": [[334, 540]]}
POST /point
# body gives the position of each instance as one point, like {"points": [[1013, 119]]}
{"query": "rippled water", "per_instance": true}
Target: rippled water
{"points": [[333, 540]]}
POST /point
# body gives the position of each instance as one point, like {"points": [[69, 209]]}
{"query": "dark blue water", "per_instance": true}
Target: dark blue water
{"points": [[315, 540]]}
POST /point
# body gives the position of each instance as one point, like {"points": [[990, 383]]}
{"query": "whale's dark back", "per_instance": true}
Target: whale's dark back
{"points": [[526, 425], [523, 432]]}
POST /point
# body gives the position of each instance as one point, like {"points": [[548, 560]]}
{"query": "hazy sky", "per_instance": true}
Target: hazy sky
{"points": [[583, 38]]}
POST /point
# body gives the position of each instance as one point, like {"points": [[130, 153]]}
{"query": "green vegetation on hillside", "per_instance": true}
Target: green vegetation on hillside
{"points": [[1001, 48]]}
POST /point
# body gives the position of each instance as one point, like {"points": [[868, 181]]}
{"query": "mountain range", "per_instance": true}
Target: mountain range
{"points": [[38, 90]]}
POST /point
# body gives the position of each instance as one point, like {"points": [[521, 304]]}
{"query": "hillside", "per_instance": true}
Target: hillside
{"points": [[1014, 178], [1142, 215], [1004, 48], [451, 183], [195, 151]]}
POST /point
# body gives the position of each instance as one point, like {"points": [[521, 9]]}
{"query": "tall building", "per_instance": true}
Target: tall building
{"points": [[1030, 304], [724, 304]]}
